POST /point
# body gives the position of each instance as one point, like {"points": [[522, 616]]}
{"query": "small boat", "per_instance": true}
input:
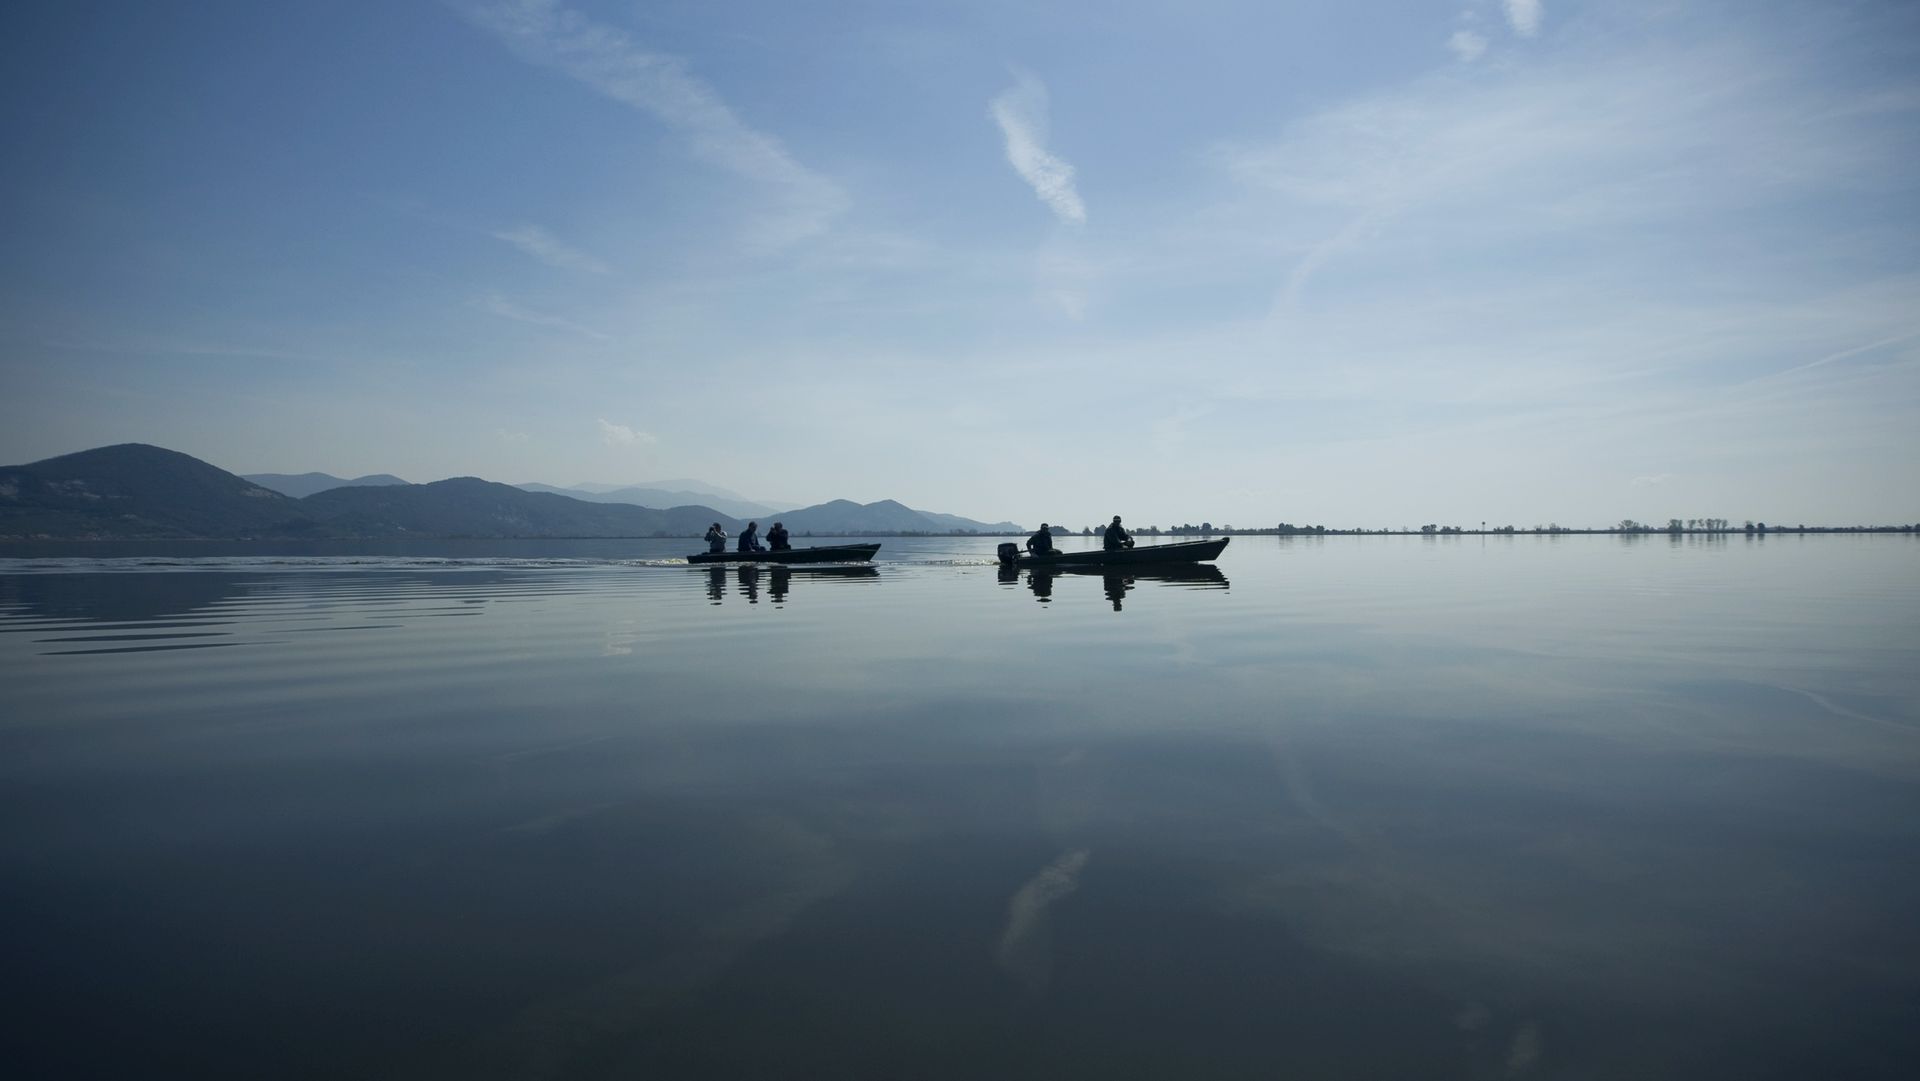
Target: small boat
{"points": [[831, 553], [1180, 552]]}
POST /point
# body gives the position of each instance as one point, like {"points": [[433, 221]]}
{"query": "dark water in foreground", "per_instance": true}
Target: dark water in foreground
{"points": [[1476, 808]]}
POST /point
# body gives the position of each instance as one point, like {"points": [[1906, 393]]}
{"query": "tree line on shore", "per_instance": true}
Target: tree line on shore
{"points": [[1628, 526]]}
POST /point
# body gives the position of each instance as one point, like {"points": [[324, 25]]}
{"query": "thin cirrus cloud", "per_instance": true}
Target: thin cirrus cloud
{"points": [[620, 435], [551, 250], [1523, 16], [1467, 46], [543, 33], [1583, 148], [1021, 112], [501, 306]]}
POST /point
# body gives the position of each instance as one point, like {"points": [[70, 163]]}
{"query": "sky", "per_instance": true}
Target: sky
{"points": [[1359, 265]]}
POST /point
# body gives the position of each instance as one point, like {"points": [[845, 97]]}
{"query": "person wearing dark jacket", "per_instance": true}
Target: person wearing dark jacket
{"points": [[750, 538], [777, 538], [1041, 543], [1116, 537]]}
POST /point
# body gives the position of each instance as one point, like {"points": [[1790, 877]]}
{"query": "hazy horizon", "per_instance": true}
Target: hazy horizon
{"points": [[1516, 262]]}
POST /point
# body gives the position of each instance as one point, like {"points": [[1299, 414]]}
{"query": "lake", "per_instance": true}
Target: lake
{"points": [[1474, 807]]}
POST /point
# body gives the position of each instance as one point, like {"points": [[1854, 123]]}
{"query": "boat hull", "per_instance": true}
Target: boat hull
{"points": [[1182, 552], [832, 553]]}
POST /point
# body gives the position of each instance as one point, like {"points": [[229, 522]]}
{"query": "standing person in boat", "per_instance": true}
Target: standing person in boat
{"points": [[777, 538], [750, 538], [1041, 543], [1117, 538], [716, 539]]}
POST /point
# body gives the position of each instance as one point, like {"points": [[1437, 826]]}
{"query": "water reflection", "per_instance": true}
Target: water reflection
{"points": [[778, 580], [1118, 583], [116, 598]]}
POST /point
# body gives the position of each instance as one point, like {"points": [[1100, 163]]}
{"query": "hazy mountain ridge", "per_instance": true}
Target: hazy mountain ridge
{"points": [[659, 497], [302, 485], [471, 507], [134, 490]]}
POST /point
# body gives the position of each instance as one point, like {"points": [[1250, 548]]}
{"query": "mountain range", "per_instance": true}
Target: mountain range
{"points": [[651, 496], [134, 490], [302, 485]]}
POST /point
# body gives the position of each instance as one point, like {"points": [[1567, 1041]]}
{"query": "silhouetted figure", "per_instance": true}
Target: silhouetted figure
{"points": [[1116, 537], [1117, 586], [716, 584], [782, 576], [777, 538], [1041, 543], [716, 539], [750, 538], [1041, 582], [750, 583]]}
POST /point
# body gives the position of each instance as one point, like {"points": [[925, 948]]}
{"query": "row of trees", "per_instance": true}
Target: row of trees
{"points": [[1626, 525]]}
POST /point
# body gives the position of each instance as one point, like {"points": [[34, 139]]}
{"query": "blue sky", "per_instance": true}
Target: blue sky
{"points": [[1352, 264]]}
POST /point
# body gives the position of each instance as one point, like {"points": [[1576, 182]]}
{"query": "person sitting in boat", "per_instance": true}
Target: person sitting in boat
{"points": [[1117, 538], [750, 538], [716, 538], [777, 538], [1041, 543]]}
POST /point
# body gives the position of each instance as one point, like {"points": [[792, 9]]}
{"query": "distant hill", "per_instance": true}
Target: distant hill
{"points": [[302, 485], [471, 507], [139, 491], [659, 497], [136, 490], [886, 516], [955, 523]]}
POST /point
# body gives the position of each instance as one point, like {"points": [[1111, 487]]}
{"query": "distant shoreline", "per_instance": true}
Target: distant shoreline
{"points": [[1142, 535]]}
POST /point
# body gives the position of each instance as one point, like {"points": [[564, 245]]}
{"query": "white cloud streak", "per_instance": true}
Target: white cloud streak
{"points": [[1523, 16], [619, 435], [541, 32], [1467, 46], [1025, 951], [551, 250], [520, 313], [1021, 112]]}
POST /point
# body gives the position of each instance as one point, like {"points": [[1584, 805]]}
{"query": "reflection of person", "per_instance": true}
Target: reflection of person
{"points": [[1117, 586], [750, 583], [1041, 582], [716, 538], [716, 584], [1041, 543], [1117, 538], [777, 538], [750, 538], [781, 576]]}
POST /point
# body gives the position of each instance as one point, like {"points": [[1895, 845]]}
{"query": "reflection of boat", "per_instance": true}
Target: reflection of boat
{"points": [[779, 579], [1198, 575], [832, 553], [1119, 580], [1181, 552]]}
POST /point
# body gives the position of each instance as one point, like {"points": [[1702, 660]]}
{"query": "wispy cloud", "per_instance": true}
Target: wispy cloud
{"points": [[1021, 112], [511, 309], [1467, 45], [1586, 147], [550, 249], [1025, 952], [619, 435], [544, 33], [1523, 16]]}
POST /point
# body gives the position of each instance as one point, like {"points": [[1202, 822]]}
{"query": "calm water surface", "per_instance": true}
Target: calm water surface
{"points": [[1350, 807]]}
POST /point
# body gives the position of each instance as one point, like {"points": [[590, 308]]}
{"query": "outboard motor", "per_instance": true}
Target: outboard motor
{"points": [[1009, 553]]}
